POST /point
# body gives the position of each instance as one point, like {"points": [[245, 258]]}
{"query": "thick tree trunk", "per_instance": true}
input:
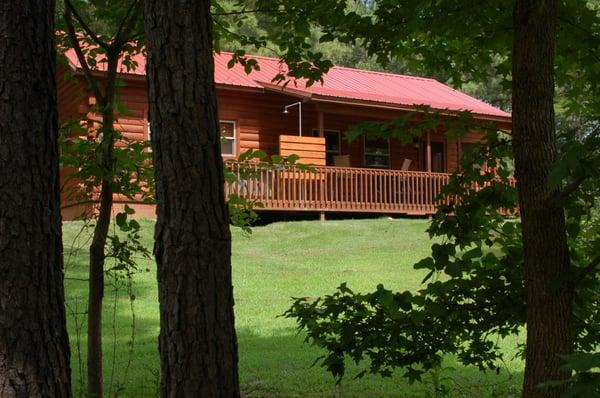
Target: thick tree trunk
{"points": [[198, 348], [34, 347], [549, 303]]}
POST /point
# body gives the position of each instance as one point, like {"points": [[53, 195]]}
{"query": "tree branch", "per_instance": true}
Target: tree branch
{"points": [[244, 11], [242, 39], [71, 9], [118, 39], [568, 190], [136, 35], [80, 56]]}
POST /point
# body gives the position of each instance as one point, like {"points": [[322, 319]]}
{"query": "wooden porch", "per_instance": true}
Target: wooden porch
{"points": [[339, 189]]}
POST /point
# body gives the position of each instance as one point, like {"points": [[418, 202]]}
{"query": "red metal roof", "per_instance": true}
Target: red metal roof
{"points": [[344, 84]]}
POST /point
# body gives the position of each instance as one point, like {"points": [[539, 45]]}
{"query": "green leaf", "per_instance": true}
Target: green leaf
{"points": [[121, 219], [453, 269]]}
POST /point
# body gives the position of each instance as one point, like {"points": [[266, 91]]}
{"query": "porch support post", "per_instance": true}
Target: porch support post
{"points": [[458, 153], [322, 216], [321, 123], [428, 160]]}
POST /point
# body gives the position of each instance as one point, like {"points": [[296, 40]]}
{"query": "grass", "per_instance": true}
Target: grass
{"points": [[270, 266]]}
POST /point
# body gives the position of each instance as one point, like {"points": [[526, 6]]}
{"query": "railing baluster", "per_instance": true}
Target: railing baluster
{"points": [[343, 188], [403, 191], [373, 189], [368, 187], [362, 186], [394, 191], [304, 193], [349, 177], [388, 191], [329, 188], [417, 194], [353, 189], [339, 181], [421, 192], [286, 188], [338, 189], [425, 179], [347, 188], [379, 190]]}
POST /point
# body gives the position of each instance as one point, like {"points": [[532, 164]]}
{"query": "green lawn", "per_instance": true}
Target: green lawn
{"points": [[270, 266]]}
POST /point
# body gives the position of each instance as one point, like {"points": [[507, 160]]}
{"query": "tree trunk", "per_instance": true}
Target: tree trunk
{"points": [[198, 347], [34, 347], [96, 294], [549, 303], [98, 245]]}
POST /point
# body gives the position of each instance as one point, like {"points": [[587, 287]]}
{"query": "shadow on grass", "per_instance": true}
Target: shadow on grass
{"points": [[272, 364], [281, 365], [130, 344]]}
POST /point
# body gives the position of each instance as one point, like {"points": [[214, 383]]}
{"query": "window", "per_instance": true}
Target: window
{"points": [[228, 144], [333, 145], [377, 153]]}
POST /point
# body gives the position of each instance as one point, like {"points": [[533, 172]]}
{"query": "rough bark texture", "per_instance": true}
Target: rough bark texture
{"points": [[198, 348], [549, 304], [34, 347]]}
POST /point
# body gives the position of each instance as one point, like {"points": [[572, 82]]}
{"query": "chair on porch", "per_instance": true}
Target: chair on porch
{"points": [[406, 164]]}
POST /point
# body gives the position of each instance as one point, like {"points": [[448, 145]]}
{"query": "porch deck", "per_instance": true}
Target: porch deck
{"points": [[340, 189]]}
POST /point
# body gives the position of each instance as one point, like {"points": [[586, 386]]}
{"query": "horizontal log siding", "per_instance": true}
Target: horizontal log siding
{"points": [[260, 121], [133, 122], [72, 96], [73, 104]]}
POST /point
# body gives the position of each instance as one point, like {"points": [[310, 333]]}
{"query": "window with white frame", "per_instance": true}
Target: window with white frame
{"points": [[228, 139]]}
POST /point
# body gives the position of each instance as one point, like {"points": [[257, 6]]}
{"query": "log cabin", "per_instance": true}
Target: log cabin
{"points": [[365, 175]]}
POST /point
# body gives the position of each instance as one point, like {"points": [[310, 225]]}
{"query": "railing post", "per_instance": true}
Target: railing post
{"points": [[322, 187]]}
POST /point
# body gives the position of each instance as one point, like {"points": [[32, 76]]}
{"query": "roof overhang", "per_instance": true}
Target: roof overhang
{"points": [[504, 123]]}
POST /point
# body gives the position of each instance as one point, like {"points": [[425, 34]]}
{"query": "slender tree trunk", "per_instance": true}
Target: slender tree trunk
{"points": [[549, 303], [198, 348], [34, 347], [96, 294], [98, 245]]}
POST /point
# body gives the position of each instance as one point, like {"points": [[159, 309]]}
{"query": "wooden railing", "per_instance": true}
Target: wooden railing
{"points": [[341, 189]]}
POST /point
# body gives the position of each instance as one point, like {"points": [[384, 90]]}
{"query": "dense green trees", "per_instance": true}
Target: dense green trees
{"points": [[532, 46]]}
